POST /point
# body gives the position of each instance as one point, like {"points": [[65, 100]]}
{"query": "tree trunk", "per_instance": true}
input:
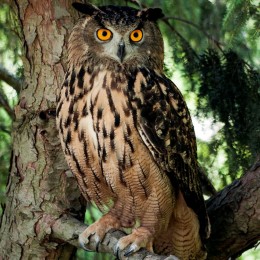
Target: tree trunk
{"points": [[40, 188]]}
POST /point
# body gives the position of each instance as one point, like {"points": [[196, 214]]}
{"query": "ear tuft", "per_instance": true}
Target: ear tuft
{"points": [[151, 14], [88, 9]]}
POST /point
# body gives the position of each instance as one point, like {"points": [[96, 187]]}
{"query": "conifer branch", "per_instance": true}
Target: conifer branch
{"points": [[218, 43]]}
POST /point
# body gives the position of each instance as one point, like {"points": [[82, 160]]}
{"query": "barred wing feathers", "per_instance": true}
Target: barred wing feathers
{"points": [[165, 125]]}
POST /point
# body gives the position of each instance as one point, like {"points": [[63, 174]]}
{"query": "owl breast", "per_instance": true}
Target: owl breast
{"points": [[103, 146]]}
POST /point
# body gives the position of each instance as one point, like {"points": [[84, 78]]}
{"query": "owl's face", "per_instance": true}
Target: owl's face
{"points": [[113, 36]]}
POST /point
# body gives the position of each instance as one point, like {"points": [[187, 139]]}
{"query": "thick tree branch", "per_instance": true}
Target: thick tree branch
{"points": [[68, 229], [234, 215], [10, 79]]}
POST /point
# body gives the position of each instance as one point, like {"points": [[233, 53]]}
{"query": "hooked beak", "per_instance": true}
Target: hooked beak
{"points": [[121, 50]]}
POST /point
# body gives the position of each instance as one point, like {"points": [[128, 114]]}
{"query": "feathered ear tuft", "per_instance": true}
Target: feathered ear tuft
{"points": [[88, 9], [151, 14]]}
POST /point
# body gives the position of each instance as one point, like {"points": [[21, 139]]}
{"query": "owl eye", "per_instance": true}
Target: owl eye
{"points": [[104, 34], [136, 35]]}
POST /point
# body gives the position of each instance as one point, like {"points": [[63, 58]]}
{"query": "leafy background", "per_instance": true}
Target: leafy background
{"points": [[212, 52]]}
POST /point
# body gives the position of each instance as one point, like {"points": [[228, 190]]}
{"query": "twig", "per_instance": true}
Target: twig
{"points": [[165, 20], [218, 43], [180, 36], [10, 79], [4, 129], [5, 105]]}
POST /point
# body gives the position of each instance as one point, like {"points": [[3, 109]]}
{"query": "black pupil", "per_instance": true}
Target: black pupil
{"points": [[104, 33], [136, 34]]}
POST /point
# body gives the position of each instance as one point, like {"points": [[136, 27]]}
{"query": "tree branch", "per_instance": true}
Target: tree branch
{"points": [[166, 21], [4, 103], [4, 129], [235, 216], [184, 41], [218, 44], [68, 229], [10, 79], [235, 209]]}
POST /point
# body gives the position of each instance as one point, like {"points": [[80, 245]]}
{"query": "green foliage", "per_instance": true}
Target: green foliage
{"points": [[10, 47], [5, 147], [238, 12], [10, 50], [213, 158], [240, 29], [229, 88]]}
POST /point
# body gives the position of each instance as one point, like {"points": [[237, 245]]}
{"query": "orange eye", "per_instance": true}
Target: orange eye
{"points": [[104, 34], [136, 35]]}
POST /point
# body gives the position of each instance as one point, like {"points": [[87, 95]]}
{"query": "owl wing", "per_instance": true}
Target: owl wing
{"points": [[165, 125]]}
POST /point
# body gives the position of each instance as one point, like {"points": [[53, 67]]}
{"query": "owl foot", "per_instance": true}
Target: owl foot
{"points": [[139, 238], [97, 231]]}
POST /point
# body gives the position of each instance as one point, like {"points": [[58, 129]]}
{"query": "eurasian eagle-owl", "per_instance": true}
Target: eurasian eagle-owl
{"points": [[128, 136]]}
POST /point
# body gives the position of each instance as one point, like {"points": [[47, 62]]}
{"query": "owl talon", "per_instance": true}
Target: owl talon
{"points": [[96, 232], [116, 252], [97, 246], [83, 241], [140, 238], [130, 250], [82, 244]]}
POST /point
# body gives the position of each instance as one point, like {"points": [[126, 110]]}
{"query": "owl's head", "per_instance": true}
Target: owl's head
{"points": [[117, 37]]}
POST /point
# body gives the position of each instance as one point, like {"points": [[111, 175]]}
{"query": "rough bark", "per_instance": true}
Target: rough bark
{"points": [[43, 208], [40, 188], [235, 216]]}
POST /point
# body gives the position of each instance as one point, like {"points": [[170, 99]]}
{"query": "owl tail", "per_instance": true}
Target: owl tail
{"points": [[182, 236]]}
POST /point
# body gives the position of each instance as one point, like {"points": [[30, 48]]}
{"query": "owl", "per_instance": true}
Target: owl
{"points": [[127, 135]]}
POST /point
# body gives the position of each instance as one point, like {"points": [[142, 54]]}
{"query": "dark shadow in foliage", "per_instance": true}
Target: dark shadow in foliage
{"points": [[230, 88]]}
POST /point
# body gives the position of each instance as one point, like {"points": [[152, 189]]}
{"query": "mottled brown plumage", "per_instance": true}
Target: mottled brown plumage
{"points": [[128, 136]]}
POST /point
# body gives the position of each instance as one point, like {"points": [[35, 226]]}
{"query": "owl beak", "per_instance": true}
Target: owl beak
{"points": [[121, 50]]}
